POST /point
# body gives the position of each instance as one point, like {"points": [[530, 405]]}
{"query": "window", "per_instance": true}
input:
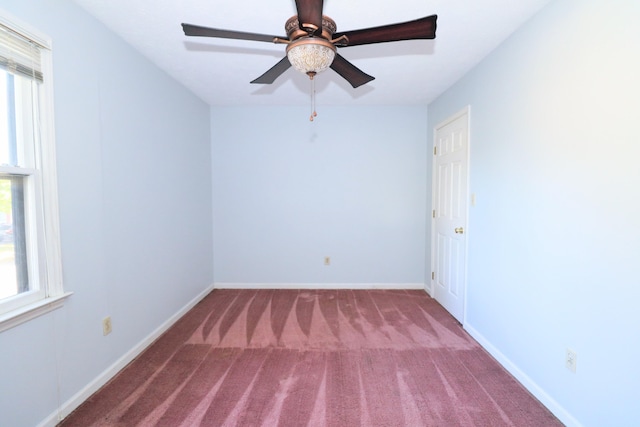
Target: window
{"points": [[30, 262]]}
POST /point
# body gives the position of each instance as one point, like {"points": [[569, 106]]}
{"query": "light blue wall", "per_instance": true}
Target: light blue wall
{"points": [[554, 240], [288, 192], [135, 205]]}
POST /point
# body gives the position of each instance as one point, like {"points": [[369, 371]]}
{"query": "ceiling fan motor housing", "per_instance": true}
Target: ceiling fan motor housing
{"points": [[294, 32]]}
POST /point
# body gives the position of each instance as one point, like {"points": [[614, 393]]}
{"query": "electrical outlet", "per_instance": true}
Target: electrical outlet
{"points": [[106, 325], [571, 360], [327, 260]]}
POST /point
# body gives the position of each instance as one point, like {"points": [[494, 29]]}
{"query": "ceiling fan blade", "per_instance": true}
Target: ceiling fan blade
{"points": [[196, 30], [423, 28], [310, 15], [355, 76], [274, 72]]}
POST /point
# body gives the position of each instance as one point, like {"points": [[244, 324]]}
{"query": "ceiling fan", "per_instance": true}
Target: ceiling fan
{"points": [[312, 40]]}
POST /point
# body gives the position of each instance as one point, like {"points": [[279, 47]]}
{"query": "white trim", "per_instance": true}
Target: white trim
{"points": [[430, 275], [563, 415], [53, 250], [428, 290], [223, 285], [70, 405], [27, 312]]}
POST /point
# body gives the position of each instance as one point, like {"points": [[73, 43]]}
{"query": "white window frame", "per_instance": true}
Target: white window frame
{"points": [[42, 186]]}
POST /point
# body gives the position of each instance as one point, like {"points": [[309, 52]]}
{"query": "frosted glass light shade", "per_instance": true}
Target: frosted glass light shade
{"points": [[311, 55]]}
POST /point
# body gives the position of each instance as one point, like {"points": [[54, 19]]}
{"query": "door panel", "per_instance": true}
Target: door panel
{"points": [[450, 195]]}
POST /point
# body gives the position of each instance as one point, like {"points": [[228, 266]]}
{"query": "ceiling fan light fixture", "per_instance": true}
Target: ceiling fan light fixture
{"points": [[311, 55]]}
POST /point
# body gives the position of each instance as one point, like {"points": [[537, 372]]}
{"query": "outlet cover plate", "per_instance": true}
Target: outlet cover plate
{"points": [[571, 360], [106, 325]]}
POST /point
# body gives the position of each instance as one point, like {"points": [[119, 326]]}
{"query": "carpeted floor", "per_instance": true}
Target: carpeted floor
{"points": [[314, 358]]}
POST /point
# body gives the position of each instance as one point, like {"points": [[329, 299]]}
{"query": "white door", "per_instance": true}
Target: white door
{"points": [[449, 216]]}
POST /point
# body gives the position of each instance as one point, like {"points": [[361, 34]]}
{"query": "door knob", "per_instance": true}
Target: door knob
{"points": [[459, 230]]}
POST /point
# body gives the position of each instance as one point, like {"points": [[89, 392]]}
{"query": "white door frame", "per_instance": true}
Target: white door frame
{"points": [[431, 288]]}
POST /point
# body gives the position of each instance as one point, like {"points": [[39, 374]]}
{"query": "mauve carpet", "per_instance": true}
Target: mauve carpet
{"points": [[313, 358]]}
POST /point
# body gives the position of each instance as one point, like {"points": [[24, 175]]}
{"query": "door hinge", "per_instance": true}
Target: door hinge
{"points": [[433, 275], [435, 151], [433, 214]]}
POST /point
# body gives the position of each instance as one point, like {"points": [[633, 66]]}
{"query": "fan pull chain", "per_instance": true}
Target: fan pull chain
{"points": [[313, 97]]}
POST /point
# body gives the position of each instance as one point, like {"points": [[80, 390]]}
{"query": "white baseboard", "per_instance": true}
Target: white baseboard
{"points": [[223, 285], [75, 401], [556, 409]]}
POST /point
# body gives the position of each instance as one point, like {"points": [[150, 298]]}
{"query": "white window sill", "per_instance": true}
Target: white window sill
{"points": [[31, 311]]}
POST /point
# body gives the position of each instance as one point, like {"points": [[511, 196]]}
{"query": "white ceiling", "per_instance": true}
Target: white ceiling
{"points": [[219, 70]]}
